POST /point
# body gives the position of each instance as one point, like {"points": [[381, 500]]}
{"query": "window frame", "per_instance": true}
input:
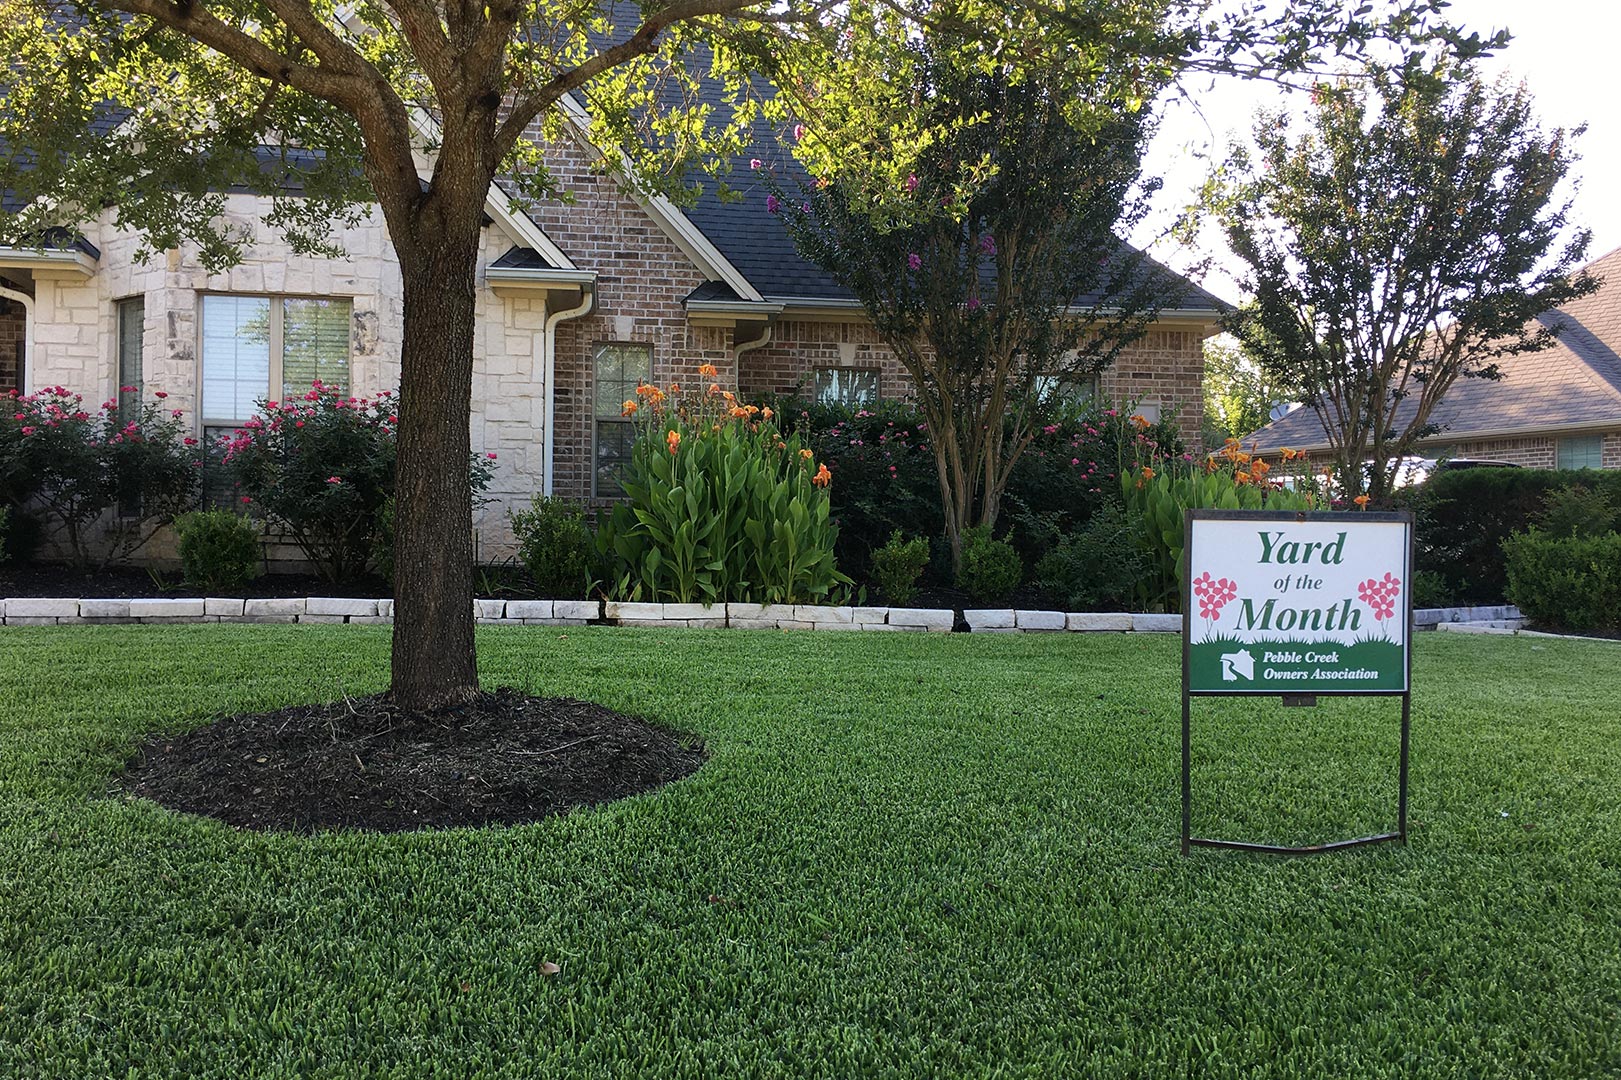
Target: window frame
{"points": [[1595, 451], [855, 369], [275, 383], [598, 419], [121, 308]]}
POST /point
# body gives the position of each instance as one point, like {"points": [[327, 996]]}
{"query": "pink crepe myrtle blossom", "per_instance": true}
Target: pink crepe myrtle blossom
{"points": [[334, 479], [911, 183], [799, 133], [772, 204], [755, 163], [914, 261]]}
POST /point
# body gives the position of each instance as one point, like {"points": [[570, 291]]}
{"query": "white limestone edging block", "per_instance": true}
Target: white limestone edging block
{"points": [[700, 612], [223, 606], [1040, 620], [280, 606], [489, 609], [1156, 624], [166, 608], [938, 620], [529, 609], [339, 605], [867, 615], [42, 607], [818, 613], [104, 609], [769, 613], [385, 608], [989, 618], [576, 609], [624, 609], [1098, 621]]}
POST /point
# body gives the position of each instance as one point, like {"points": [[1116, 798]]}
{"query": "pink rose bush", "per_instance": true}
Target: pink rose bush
{"points": [[102, 479], [320, 467]]}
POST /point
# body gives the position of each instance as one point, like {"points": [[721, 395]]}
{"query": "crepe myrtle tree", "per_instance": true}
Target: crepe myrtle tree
{"points": [[1407, 238], [148, 109], [1003, 282]]}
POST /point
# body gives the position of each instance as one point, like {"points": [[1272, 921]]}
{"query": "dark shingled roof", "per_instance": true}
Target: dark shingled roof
{"points": [[1577, 381], [522, 258], [758, 245]]}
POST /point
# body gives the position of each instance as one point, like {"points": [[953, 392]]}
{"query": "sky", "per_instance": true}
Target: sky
{"points": [[1564, 51]]}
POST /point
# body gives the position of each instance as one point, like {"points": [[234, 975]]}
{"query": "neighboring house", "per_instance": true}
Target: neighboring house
{"points": [[577, 304], [1558, 408]]}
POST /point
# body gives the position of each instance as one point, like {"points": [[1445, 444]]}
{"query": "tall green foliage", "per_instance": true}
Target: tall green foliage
{"points": [[721, 508]]}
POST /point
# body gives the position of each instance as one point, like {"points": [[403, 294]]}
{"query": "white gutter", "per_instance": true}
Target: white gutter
{"points": [[28, 334], [548, 348]]}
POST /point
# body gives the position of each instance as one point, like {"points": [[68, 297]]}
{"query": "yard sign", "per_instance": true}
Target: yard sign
{"points": [[1296, 605]]}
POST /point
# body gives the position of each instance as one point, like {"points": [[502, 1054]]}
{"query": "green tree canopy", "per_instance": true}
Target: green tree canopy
{"points": [[1406, 239]]}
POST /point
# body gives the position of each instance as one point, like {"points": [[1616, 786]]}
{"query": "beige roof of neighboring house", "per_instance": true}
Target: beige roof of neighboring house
{"points": [[1575, 384]]}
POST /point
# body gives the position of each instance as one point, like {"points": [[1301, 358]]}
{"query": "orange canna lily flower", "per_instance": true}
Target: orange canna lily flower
{"points": [[675, 388], [1241, 477], [708, 371], [766, 413], [714, 388], [1148, 474], [1288, 454], [1140, 420], [673, 441], [807, 454], [1362, 501], [822, 478], [628, 409]]}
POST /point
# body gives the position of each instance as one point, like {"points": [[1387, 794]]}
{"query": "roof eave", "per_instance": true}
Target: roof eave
{"points": [[48, 262]]}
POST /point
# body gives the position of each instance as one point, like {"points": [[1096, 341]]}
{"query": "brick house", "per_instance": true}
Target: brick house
{"points": [[577, 303], [1558, 408]]}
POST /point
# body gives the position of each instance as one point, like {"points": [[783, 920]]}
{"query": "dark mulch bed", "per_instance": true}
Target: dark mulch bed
{"points": [[362, 763]]}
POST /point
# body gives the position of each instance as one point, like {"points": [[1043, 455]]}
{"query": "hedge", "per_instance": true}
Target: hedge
{"points": [[1571, 583], [1464, 515]]}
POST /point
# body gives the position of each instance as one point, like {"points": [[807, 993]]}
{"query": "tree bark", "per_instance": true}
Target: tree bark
{"points": [[434, 662]]}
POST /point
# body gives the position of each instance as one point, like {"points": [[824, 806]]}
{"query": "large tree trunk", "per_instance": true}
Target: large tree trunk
{"points": [[434, 662]]}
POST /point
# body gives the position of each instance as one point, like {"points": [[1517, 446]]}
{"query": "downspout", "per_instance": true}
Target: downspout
{"points": [[749, 346], [548, 348], [24, 376]]}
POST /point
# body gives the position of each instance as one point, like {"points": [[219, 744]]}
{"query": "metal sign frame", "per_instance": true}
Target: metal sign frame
{"points": [[1189, 841]]}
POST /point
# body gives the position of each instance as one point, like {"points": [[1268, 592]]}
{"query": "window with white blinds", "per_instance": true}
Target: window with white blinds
{"points": [[257, 347]]}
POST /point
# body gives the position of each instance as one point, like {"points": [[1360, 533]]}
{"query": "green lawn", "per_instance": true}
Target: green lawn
{"points": [[908, 855]]}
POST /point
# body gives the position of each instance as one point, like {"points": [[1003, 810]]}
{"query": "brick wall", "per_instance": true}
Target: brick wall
{"points": [[12, 327], [1166, 368]]}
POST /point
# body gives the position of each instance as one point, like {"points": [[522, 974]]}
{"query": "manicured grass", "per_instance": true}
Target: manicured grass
{"points": [[909, 855]]}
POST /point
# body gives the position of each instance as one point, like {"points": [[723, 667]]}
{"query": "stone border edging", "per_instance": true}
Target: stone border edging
{"points": [[66, 611]]}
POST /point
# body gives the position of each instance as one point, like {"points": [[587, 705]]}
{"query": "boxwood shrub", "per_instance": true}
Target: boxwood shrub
{"points": [[1566, 582]]}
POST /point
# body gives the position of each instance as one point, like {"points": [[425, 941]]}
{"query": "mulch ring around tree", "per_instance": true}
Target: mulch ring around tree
{"points": [[362, 763]]}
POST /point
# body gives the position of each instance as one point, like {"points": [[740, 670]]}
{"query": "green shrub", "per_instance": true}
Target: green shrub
{"points": [[1430, 590], [1578, 510], [898, 564], [382, 545], [1462, 517], [990, 567], [218, 549], [1100, 568], [720, 508], [5, 530], [321, 466], [1570, 582], [556, 547]]}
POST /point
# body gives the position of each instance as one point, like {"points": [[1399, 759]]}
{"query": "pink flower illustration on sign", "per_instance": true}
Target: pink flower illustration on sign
{"points": [[1380, 594], [1213, 594]]}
